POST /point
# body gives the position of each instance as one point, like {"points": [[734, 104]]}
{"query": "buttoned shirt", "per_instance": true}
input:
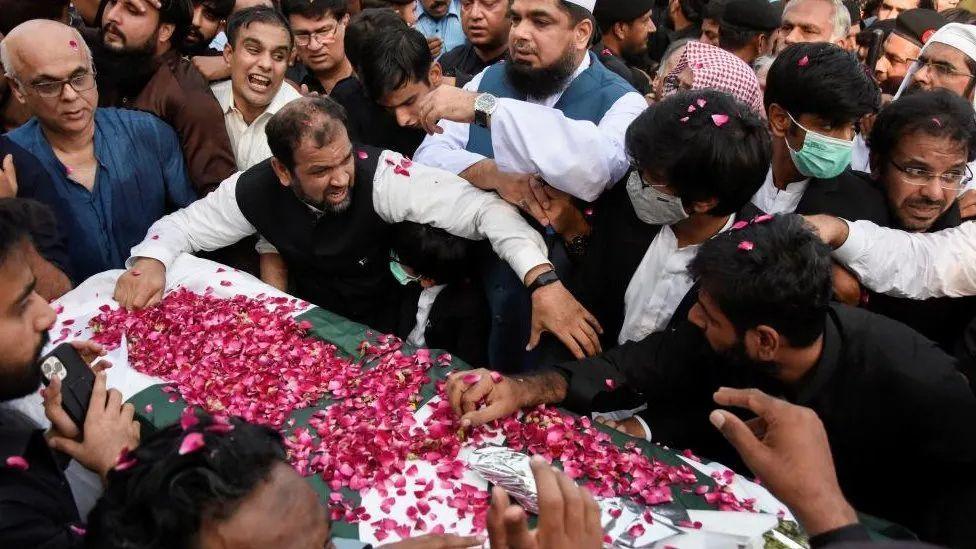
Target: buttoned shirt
{"points": [[425, 303], [249, 141], [447, 28], [575, 156], [659, 284], [140, 177], [773, 200]]}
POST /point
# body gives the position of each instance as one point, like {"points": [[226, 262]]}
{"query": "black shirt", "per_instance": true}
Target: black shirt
{"points": [[463, 63], [900, 418], [637, 78], [37, 509], [370, 123]]}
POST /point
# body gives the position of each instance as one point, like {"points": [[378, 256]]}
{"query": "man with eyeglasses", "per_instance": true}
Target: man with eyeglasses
{"points": [[912, 29], [113, 172], [319, 28]]}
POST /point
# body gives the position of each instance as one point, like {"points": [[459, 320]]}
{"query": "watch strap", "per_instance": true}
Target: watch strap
{"points": [[545, 279]]}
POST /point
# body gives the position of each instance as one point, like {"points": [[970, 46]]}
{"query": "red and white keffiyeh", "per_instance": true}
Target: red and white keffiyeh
{"points": [[717, 69]]}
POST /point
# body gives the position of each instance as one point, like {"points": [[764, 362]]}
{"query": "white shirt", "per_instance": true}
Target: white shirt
{"points": [[425, 303], [426, 196], [532, 137], [659, 284], [912, 265], [770, 199], [249, 141]]}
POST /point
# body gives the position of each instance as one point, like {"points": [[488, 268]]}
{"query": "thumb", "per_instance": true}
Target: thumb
{"points": [[66, 445], [534, 336], [740, 436]]}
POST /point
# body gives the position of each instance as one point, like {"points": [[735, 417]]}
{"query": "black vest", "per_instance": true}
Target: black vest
{"points": [[339, 262]]}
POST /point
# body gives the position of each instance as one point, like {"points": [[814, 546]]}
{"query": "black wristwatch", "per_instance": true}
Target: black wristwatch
{"points": [[545, 279]]}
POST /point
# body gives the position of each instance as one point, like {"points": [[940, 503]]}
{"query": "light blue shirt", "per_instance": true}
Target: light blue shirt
{"points": [[447, 28]]}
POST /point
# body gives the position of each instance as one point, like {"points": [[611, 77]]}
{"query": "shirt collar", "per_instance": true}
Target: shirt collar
{"points": [[224, 92], [815, 380], [453, 8]]}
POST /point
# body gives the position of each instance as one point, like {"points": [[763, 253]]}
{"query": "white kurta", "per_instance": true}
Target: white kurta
{"points": [[425, 303], [532, 137], [913, 265], [426, 196], [770, 199], [659, 284]]}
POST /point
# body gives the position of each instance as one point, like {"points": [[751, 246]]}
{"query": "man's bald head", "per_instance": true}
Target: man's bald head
{"points": [[37, 43]]}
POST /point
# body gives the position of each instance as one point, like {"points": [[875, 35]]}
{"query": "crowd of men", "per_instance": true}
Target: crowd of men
{"points": [[735, 226]]}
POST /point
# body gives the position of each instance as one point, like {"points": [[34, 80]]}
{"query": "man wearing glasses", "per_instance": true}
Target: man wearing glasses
{"points": [[319, 28], [113, 172]]}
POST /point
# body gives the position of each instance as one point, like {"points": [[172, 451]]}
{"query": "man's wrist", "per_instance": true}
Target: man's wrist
{"points": [[826, 513], [544, 388]]}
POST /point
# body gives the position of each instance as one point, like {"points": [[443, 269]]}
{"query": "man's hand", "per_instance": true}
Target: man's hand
{"points": [[438, 541], [141, 286], [564, 217], [967, 204], [446, 103], [109, 427], [786, 446], [568, 515], [467, 390], [516, 189], [832, 230], [8, 177], [629, 426], [435, 44], [847, 288], [212, 68], [555, 310]]}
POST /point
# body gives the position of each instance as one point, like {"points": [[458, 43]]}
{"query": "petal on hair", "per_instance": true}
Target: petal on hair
{"points": [[191, 443], [684, 119], [746, 246], [701, 102], [720, 119], [362, 155], [739, 225], [691, 108], [804, 61]]}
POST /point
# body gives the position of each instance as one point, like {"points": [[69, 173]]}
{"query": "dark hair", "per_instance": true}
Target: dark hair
{"points": [[432, 252], [256, 14], [727, 162], [782, 281], [823, 80], [937, 113], [15, 223], [959, 15], [733, 38], [179, 13], [318, 117], [220, 8], [15, 12], [162, 499], [365, 24], [394, 58], [314, 9], [693, 10]]}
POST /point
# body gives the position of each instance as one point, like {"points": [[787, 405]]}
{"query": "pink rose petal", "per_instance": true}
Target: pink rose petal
{"points": [[685, 119], [764, 218], [362, 155], [739, 225], [496, 377], [804, 61], [154, 237], [701, 102], [746, 246], [720, 119], [691, 108], [77, 530], [471, 379], [17, 462], [148, 408], [611, 384], [636, 530], [226, 283], [191, 443]]}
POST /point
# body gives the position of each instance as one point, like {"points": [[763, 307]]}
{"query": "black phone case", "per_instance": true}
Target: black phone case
{"points": [[76, 386]]}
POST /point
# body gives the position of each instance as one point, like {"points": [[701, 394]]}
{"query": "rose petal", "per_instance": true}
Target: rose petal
{"points": [[362, 155], [496, 377], [764, 218], [746, 246], [17, 462], [684, 119], [636, 530], [191, 443], [148, 408], [78, 530], [720, 119], [701, 102], [226, 283], [804, 61], [739, 225], [691, 108], [611, 384], [471, 379]]}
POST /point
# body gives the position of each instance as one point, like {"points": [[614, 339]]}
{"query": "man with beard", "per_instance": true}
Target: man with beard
{"points": [[746, 28], [890, 400], [440, 22], [112, 171], [682, 19], [624, 28], [552, 114], [36, 505], [903, 44], [486, 25], [328, 207], [140, 67]]}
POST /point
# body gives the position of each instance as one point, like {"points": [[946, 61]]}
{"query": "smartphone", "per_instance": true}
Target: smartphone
{"points": [[77, 380], [874, 51]]}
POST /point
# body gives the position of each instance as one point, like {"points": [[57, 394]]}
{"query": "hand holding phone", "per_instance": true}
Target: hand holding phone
{"points": [[76, 378]]}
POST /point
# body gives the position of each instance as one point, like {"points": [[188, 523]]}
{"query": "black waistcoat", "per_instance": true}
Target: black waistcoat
{"points": [[337, 261]]}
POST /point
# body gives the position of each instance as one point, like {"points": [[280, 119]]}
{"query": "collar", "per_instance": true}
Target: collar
{"points": [[791, 188], [812, 385], [453, 8], [224, 92]]}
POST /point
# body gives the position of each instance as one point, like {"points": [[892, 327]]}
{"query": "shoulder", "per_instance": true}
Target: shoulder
{"points": [[450, 60], [26, 134], [132, 120]]}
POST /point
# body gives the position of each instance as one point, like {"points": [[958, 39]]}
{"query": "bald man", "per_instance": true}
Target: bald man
{"points": [[113, 172]]}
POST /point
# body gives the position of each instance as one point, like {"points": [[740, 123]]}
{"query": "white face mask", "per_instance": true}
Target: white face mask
{"points": [[653, 206]]}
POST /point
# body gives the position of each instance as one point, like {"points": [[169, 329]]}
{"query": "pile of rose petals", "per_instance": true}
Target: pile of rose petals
{"points": [[242, 356]]}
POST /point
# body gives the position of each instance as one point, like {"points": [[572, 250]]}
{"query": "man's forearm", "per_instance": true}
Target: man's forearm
{"points": [[544, 388], [481, 174]]}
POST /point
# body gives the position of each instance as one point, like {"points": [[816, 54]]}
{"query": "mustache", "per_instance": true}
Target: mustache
{"points": [[113, 28], [925, 202]]}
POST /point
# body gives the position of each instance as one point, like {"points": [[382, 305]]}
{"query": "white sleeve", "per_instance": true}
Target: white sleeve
{"points": [[912, 265], [447, 150], [575, 156], [211, 223], [435, 197]]}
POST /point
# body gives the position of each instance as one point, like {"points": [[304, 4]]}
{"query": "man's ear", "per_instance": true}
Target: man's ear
{"points": [[619, 30], [283, 173], [764, 343], [435, 75], [228, 53], [166, 31], [582, 34], [18, 92], [779, 120]]}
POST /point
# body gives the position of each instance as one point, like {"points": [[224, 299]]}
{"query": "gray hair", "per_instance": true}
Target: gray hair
{"points": [[6, 56], [762, 63], [841, 18]]}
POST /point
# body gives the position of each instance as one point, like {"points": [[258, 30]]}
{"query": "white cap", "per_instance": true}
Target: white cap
{"points": [[587, 4]]}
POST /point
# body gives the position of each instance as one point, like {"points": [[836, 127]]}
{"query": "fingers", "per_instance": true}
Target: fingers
{"points": [[128, 412], [591, 320], [571, 344], [475, 393], [538, 189], [752, 450], [591, 521], [454, 389], [751, 399], [113, 401], [89, 350], [99, 395], [551, 504], [531, 205], [66, 445], [517, 532], [534, 336], [574, 510], [452, 541], [496, 517], [592, 339], [60, 421], [10, 174], [484, 415]]}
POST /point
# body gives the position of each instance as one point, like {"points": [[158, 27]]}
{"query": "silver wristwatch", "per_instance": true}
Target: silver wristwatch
{"points": [[484, 107]]}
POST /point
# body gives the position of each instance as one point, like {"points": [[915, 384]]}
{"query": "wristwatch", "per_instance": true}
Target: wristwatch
{"points": [[545, 279], [484, 107]]}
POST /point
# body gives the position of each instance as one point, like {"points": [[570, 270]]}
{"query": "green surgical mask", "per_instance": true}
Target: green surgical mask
{"points": [[400, 274], [821, 156]]}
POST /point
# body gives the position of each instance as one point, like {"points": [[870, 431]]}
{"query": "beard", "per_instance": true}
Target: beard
{"points": [[913, 224], [542, 82], [891, 84], [324, 205], [737, 357], [125, 65], [638, 58], [200, 47], [25, 378]]}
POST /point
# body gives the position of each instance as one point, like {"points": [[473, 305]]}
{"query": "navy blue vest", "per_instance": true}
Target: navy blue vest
{"points": [[588, 97]]}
